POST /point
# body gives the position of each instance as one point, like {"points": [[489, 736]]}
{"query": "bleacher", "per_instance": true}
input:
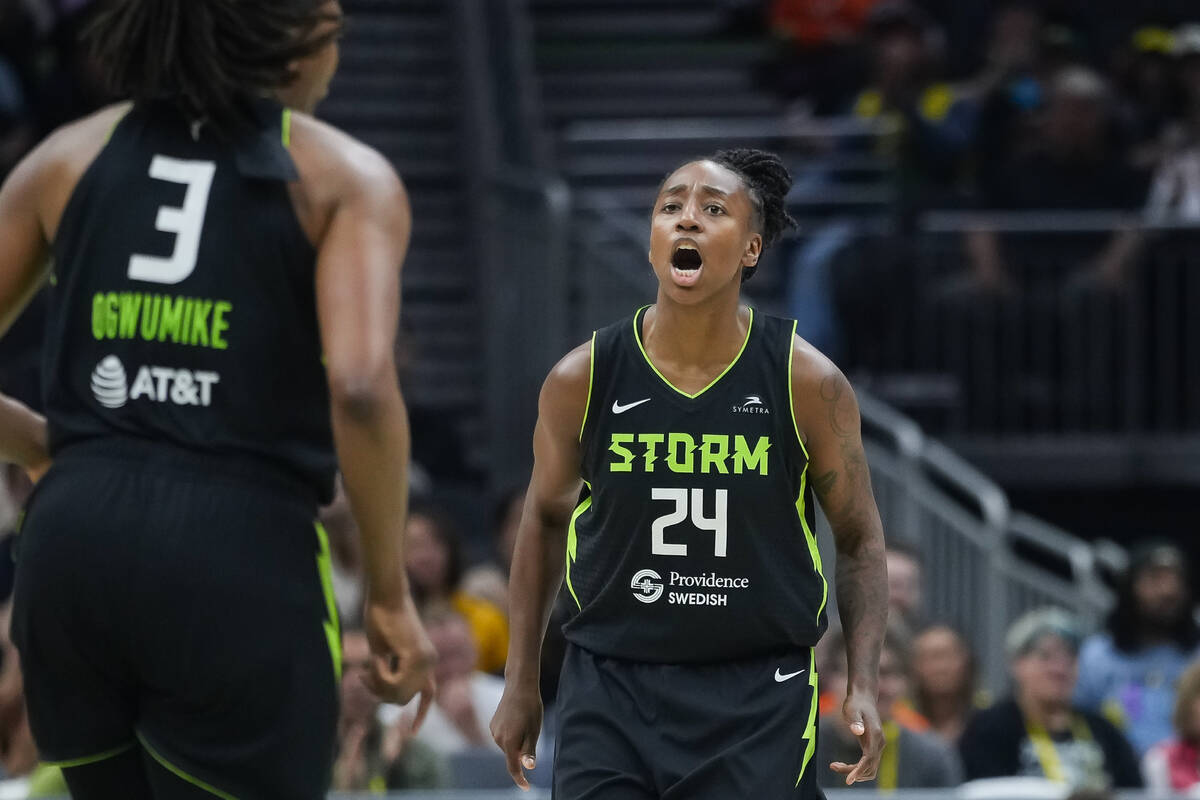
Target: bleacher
{"points": [[399, 89]]}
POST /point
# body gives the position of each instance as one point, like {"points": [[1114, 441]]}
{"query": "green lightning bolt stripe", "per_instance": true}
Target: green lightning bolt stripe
{"points": [[332, 625], [573, 541], [810, 730]]}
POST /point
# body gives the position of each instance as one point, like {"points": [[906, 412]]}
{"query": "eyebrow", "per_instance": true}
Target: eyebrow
{"points": [[710, 189]]}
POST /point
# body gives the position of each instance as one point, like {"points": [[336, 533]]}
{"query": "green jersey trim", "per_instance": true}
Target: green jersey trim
{"points": [[332, 625], [286, 128], [179, 773], [94, 759], [573, 541], [810, 728], [791, 393], [637, 336], [813, 550], [591, 381]]}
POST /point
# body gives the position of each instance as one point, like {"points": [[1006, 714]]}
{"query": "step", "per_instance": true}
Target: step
{"points": [[584, 106], [668, 54], [583, 24]]}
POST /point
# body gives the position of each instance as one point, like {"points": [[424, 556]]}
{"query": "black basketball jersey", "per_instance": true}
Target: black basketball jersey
{"points": [[693, 538], [183, 310]]}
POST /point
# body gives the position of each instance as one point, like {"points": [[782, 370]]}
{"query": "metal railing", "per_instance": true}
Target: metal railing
{"points": [[984, 565]]}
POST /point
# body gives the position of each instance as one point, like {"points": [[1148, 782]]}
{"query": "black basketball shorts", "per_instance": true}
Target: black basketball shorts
{"points": [[182, 612], [641, 731]]}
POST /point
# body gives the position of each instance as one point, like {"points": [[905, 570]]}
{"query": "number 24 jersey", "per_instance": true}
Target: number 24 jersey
{"points": [[694, 537]]}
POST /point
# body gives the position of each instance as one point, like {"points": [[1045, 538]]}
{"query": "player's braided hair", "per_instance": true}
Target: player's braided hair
{"points": [[768, 181], [210, 57]]}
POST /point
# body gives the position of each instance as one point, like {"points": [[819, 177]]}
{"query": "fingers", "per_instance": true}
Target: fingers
{"points": [[427, 694], [514, 768], [841, 767], [860, 772]]}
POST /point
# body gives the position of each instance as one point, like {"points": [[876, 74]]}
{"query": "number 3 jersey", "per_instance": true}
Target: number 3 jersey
{"points": [[694, 538], [183, 310]]}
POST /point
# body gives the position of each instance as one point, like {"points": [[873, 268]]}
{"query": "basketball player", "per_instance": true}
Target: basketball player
{"points": [[676, 459], [225, 282]]}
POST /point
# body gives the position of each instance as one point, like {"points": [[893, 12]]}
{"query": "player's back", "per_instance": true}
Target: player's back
{"points": [[183, 310]]}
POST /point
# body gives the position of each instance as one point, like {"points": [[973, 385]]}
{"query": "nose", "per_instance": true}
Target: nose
{"points": [[689, 218]]}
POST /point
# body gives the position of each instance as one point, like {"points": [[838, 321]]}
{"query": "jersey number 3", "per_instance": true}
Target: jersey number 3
{"points": [[186, 222], [718, 523]]}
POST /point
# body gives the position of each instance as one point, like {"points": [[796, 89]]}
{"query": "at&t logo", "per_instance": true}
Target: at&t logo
{"points": [[181, 387], [647, 585]]}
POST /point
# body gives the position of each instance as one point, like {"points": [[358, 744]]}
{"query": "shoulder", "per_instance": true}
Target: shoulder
{"points": [[334, 165], [46, 178], [820, 391], [811, 369], [567, 390], [83, 139], [1101, 727], [1097, 650], [924, 744], [997, 722]]}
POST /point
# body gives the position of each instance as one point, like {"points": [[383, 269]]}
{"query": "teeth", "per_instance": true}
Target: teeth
{"points": [[686, 247]]}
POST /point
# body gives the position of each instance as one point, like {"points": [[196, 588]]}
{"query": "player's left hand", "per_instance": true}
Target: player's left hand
{"points": [[861, 715]]}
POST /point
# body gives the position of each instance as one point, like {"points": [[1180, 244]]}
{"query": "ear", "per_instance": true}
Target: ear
{"points": [[753, 251]]}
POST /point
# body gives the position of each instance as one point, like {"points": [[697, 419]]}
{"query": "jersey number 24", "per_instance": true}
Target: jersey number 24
{"points": [[718, 523]]}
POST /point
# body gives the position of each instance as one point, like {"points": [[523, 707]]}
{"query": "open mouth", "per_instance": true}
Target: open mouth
{"points": [[686, 258], [686, 264]]}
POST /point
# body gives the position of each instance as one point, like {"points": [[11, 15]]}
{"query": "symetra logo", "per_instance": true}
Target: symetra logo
{"points": [[647, 586], [109, 384], [753, 404], [181, 387]]}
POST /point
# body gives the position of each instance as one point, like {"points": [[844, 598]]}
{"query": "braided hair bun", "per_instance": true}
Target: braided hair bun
{"points": [[768, 183]]}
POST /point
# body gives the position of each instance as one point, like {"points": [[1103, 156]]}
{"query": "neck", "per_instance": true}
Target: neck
{"points": [[1051, 715], [943, 709], [695, 334]]}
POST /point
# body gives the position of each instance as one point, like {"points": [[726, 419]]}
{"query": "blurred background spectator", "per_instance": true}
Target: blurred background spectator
{"points": [[1129, 671], [435, 563], [912, 758], [1173, 766], [1038, 732], [945, 681], [905, 584], [374, 756]]}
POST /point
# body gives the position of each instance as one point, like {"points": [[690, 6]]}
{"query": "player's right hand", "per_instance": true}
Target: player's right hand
{"points": [[515, 727], [402, 657]]}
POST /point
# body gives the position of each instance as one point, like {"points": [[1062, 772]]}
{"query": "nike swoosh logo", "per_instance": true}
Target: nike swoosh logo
{"points": [[620, 409], [781, 678]]}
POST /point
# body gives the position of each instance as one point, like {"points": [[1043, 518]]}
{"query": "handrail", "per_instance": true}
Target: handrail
{"points": [[693, 128], [950, 468], [904, 435]]}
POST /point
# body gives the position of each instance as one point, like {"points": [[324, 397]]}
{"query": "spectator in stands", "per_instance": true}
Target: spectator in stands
{"points": [[945, 681], [1077, 165], [819, 66], [905, 581], [927, 126], [372, 756], [435, 568], [1129, 671], [1145, 73], [1011, 91], [489, 580], [466, 697], [911, 759], [1176, 188], [1173, 766], [1037, 732]]}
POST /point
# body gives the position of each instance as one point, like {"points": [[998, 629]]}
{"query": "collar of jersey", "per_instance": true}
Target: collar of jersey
{"points": [[637, 337]]}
